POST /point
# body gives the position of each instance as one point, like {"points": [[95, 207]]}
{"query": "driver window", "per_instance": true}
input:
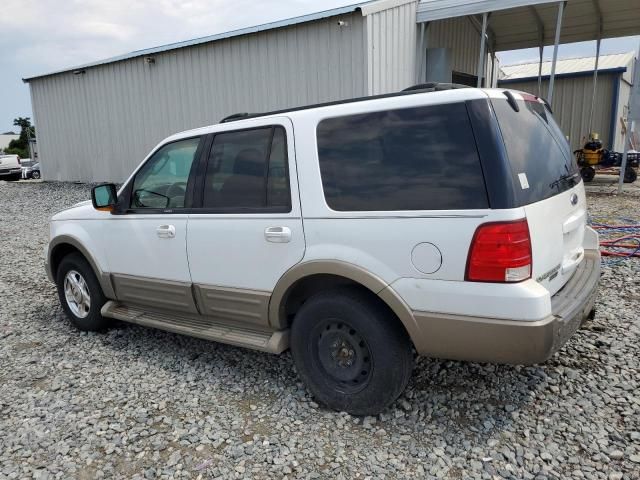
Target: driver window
{"points": [[162, 181]]}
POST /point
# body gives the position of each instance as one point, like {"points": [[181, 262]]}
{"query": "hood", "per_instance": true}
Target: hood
{"points": [[79, 211]]}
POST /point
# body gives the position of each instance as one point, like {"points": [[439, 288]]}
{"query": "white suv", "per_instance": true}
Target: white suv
{"points": [[451, 221]]}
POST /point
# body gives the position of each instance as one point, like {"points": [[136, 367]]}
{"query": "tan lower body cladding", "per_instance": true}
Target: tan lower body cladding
{"points": [[241, 317]]}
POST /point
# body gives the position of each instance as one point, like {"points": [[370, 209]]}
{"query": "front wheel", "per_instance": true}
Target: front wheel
{"points": [[351, 352], [80, 293], [35, 174]]}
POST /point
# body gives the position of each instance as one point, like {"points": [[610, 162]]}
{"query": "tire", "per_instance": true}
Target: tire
{"points": [[15, 177], [630, 175], [35, 175], [75, 267], [350, 351], [587, 173]]}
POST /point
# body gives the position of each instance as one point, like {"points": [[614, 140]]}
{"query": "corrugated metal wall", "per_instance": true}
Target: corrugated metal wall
{"points": [[572, 103], [391, 52], [99, 125]]}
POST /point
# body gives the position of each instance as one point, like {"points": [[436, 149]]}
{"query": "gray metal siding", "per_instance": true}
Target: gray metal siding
{"points": [[98, 126], [391, 52], [572, 104]]}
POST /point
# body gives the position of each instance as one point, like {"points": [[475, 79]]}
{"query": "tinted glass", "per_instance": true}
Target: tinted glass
{"points": [[247, 171], [539, 154], [411, 159], [162, 181], [278, 179]]}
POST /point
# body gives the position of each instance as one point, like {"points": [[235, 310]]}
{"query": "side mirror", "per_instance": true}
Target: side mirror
{"points": [[104, 197]]}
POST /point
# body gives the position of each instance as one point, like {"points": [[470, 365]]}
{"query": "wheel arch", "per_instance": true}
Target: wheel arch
{"points": [[335, 272], [63, 245]]}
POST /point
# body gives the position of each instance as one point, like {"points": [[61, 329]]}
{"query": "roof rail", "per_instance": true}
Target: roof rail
{"points": [[420, 88], [435, 87], [235, 116]]}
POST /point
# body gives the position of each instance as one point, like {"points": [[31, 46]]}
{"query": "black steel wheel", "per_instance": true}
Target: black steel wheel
{"points": [[343, 354], [351, 351], [587, 173]]}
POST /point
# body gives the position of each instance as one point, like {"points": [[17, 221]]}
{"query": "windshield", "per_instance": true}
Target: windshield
{"points": [[539, 154]]}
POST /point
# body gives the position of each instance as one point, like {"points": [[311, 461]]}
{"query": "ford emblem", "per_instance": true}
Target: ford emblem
{"points": [[574, 199]]}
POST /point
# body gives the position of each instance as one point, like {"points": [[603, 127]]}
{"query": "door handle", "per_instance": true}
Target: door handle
{"points": [[166, 231], [277, 234]]}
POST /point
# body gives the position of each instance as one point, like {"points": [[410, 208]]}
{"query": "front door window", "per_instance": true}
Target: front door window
{"points": [[162, 181]]}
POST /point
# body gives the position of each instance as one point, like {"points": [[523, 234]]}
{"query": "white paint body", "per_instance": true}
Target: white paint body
{"points": [[232, 250]]}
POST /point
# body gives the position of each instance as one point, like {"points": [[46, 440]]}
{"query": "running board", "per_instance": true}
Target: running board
{"points": [[200, 326]]}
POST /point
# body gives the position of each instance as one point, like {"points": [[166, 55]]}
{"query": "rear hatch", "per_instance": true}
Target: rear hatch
{"points": [[9, 162], [548, 186]]}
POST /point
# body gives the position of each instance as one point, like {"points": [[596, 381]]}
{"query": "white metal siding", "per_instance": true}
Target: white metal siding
{"points": [[572, 103], [98, 126], [391, 53]]}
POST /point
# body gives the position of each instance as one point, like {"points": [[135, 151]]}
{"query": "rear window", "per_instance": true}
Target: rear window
{"points": [[540, 157], [410, 159]]}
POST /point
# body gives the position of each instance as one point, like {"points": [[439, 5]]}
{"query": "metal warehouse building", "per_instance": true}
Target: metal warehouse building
{"points": [[574, 91], [96, 122]]}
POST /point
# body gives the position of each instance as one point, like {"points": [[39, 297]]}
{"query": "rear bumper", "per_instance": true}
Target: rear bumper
{"points": [[10, 171], [511, 341]]}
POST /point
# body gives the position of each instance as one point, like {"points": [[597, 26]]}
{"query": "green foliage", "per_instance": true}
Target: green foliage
{"points": [[20, 146]]}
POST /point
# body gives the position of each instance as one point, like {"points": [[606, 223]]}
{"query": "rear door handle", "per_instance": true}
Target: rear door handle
{"points": [[166, 231], [277, 234]]}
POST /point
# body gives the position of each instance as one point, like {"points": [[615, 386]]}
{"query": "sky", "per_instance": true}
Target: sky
{"points": [[39, 36]]}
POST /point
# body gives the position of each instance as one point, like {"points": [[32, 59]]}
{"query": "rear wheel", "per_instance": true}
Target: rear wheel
{"points": [[630, 175], [350, 352], [587, 173], [80, 294]]}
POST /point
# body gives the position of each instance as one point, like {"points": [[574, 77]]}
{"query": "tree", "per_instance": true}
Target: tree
{"points": [[20, 146]]}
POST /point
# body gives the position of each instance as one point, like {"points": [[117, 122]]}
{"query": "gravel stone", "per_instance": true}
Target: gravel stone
{"points": [[140, 403]]}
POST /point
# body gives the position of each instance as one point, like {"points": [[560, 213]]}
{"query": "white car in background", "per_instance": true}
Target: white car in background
{"points": [[450, 221], [10, 168]]}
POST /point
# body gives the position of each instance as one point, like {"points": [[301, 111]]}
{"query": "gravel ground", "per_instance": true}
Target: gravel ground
{"points": [[140, 403]]}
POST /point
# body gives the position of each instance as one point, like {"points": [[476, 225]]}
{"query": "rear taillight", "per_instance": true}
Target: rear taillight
{"points": [[500, 252]]}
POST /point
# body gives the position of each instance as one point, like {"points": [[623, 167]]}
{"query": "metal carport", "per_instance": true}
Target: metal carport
{"points": [[517, 24]]}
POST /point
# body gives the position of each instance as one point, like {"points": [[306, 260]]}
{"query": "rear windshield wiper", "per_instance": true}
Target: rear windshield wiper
{"points": [[564, 178]]}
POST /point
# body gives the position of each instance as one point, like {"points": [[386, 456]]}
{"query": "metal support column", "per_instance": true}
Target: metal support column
{"points": [[483, 41], [422, 52], [555, 50], [541, 49], [595, 85], [625, 154]]}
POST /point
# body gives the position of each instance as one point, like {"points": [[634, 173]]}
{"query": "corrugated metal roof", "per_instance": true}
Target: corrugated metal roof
{"points": [[516, 24], [569, 65], [430, 10], [372, 6]]}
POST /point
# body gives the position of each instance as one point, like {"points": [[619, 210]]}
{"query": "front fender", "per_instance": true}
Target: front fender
{"points": [[76, 236]]}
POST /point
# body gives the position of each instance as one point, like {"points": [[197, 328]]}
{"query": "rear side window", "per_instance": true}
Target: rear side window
{"points": [[540, 156], [247, 171], [421, 158]]}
